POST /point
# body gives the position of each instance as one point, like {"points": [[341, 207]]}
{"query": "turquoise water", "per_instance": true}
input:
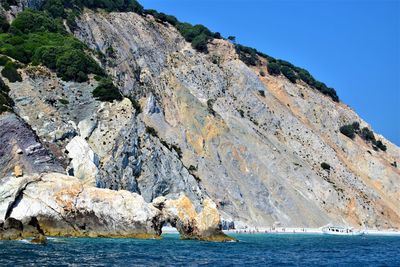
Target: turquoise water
{"points": [[252, 250]]}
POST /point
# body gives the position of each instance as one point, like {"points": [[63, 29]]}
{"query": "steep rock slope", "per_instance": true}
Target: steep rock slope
{"points": [[208, 126], [257, 154]]}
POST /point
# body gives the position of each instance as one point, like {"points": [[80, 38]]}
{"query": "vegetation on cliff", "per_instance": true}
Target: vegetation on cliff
{"points": [[198, 35], [107, 91], [34, 37], [38, 38], [351, 130], [10, 71], [6, 102], [4, 25]]}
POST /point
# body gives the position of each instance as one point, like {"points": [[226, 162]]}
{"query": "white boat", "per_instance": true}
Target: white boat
{"points": [[332, 230]]}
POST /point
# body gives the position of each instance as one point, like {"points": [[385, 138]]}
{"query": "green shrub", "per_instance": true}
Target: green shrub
{"points": [[247, 54], [200, 43], [11, 73], [136, 105], [4, 60], [109, 5], [262, 73], [349, 130], [356, 126], [75, 65], [232, 39], [198, 35], [6, 102], [177, 149], [4, 25], [277, 66], [107, 91], [192, 168], [30, 21], [210, 104], [56, 50], [189, 32], [54, 7], [63, 101], [367, 134], [68, 59], [162, 17], [325, 166], [273, 68], [151, 131], [217, 35], [306, 77], [289, 73], [380, 145], [4, 89]]}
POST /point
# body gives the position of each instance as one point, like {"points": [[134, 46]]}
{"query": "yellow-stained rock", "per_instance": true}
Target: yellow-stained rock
{"points": [[18, 172], [192, 225]]}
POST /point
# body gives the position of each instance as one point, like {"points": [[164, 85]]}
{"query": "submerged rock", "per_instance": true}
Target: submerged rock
{"points": [[40, 240]]}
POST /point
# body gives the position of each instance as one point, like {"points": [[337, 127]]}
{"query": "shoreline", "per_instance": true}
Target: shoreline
{"points": [[305, 231], [289, 230]]}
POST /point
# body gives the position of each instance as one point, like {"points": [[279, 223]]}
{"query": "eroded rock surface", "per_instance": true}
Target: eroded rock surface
{"points": [[59, 205], [21, 150], [254, 143]]}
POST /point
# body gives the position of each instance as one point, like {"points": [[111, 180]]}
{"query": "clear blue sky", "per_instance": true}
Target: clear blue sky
{"points": [[351, 45]]}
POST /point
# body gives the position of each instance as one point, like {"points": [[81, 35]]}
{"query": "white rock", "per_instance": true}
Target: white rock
{"points": [[84, 160], [86, 127]]}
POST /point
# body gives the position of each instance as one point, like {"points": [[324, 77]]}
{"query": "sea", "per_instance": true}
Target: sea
{"points": [[251, 250]]}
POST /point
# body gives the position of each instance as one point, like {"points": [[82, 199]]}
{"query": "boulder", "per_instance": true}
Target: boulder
{"points": [[40, 240], [18, 171], [84, 161]]}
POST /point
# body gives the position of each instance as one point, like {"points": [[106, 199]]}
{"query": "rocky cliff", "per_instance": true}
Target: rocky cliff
{"points": [[203, 124]]}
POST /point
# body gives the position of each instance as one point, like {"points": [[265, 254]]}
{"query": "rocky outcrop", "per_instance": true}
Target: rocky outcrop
{"points": [[59, 205], [181, 213], [21, 150]]}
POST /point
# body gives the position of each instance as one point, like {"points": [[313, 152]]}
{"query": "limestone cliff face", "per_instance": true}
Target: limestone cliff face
{"points": [[210, 127]]}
